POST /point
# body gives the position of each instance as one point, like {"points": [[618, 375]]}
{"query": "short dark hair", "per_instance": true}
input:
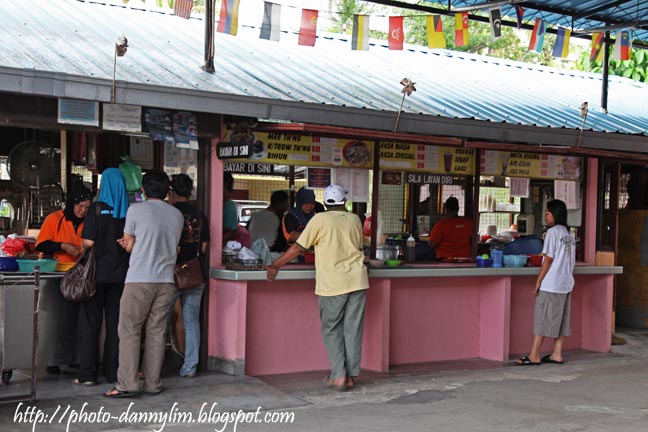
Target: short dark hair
{"points": [[278, 198], [182, 185], [559, 211], [228, 182], [155, 184], [451, 204]]}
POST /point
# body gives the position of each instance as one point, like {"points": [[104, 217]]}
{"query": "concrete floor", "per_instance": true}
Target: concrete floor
{"points": [[591, 392]]}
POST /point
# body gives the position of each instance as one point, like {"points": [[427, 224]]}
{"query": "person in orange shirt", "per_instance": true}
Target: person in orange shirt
{"points": [[60, 234], [450, 237], [60, 237]]}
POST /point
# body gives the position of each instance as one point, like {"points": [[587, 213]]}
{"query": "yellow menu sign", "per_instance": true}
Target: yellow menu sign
{"points": [[431, 159], [531, 165], [295, 149]]}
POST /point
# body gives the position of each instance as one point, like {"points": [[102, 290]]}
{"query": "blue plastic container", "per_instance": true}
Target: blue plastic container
{"points": [[497, 256]]}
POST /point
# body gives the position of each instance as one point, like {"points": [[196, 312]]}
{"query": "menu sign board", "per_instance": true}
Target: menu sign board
{"points": [[531, 165], [295, 149], [431, 159]]}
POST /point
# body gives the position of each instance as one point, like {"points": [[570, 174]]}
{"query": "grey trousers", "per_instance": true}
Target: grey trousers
{"points": [[342, 319], [142, 303]]}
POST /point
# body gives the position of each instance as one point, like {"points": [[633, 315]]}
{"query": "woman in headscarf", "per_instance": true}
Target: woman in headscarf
{"points": [[60, 237], [104, 225], [296, 219]]}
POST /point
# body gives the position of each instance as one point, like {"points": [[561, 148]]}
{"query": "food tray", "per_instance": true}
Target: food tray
{"points": [[247, 264]]}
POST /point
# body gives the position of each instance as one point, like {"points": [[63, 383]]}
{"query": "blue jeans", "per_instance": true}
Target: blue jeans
{"points": [[190, 300]]}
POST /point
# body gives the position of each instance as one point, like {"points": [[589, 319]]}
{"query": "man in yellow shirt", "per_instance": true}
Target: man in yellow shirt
{"points": [[341, 282]]}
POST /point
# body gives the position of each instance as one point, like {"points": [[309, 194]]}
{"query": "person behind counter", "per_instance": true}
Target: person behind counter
{"points": [[341, 283], [60, 237], [553, 288], [298, 217], [103, 225], [231, 228], [451, 236], [267, 223]]}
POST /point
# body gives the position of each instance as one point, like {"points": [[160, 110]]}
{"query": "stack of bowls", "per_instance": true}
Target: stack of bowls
{"points": [[515, 260]]}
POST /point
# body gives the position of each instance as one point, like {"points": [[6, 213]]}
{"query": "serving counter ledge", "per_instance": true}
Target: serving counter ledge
{"points": [[415, 313], [304, 272]]}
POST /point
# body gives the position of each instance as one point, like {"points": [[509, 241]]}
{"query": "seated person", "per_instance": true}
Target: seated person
{"points": [[267, 223], [451, 236], [296, 219]]}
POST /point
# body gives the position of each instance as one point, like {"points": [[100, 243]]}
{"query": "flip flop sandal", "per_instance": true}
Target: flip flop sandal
{"points": [[119, 393], [329, 382], [84, 383], [525, 361], [548, 359]]}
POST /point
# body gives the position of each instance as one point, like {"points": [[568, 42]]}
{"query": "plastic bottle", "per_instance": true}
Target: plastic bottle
{"points": [[411, 249]]}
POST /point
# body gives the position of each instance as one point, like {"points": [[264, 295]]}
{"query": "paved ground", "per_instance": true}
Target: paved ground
{"points": [[592, 392]]}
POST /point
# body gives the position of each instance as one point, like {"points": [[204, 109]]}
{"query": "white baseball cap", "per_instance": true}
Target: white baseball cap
{"points": [[334, 195]]}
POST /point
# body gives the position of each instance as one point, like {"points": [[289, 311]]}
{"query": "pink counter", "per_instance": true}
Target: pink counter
{"points": [[413, 315]]}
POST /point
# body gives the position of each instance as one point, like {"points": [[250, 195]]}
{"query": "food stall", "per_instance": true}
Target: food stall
{"points": [[426, 310]]}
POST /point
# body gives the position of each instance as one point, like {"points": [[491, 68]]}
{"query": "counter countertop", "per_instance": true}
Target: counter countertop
{"points": [[297, 272]]}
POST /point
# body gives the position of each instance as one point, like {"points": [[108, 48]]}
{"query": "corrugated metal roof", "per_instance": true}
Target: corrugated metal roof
{"points": [[65, 48]]}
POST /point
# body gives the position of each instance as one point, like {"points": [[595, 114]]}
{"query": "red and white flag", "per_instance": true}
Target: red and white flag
{"points": [[396, 33], [182, 8], [308, 29]]}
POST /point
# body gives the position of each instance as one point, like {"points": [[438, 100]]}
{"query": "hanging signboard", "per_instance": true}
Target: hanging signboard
{"points": [[430, 159], [77, 111], [123, 118], [426, 178], [531, 165], [248, 168]]}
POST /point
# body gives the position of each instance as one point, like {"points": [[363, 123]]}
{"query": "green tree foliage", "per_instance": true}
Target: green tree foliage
{"points": [[343, 16], [636, 68]]}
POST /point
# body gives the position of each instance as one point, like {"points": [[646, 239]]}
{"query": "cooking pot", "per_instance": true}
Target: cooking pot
{"points": [[386, 252]]}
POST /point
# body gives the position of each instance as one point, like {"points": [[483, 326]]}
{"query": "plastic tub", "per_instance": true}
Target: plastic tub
{"points": [[8, 264], [515, 260], [535, 260], [28, 265], [483, 262], [64, 266]]}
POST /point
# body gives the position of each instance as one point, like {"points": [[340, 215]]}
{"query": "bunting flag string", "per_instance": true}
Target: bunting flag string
{"points": [[308, 28], [622, 46], [271, 29], [597, 47], [396, 33], [271, 25], [537, 37], [461, 29], [435, 31], [561, 48], [228, 22], [360, 36]]}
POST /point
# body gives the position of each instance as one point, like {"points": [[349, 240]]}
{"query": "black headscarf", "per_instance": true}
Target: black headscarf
{"points": [[77, 194]]}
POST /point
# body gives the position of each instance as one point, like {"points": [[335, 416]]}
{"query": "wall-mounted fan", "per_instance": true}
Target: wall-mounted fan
{"points": [[33, 164]]}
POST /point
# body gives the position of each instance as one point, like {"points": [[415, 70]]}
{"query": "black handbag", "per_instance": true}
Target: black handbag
{"points": [[78, 284], [188, 274]]}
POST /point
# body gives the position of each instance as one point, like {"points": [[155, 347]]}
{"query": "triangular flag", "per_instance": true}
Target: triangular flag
{"points": [[537, 37], [360, 36], [561, 48], [519, 13], [228, 21], [182, 8], [308, 29], [597, 47], [461, 29], [396, 33], [622, 46], [271, 26], [495, 18], [435, 36]]}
